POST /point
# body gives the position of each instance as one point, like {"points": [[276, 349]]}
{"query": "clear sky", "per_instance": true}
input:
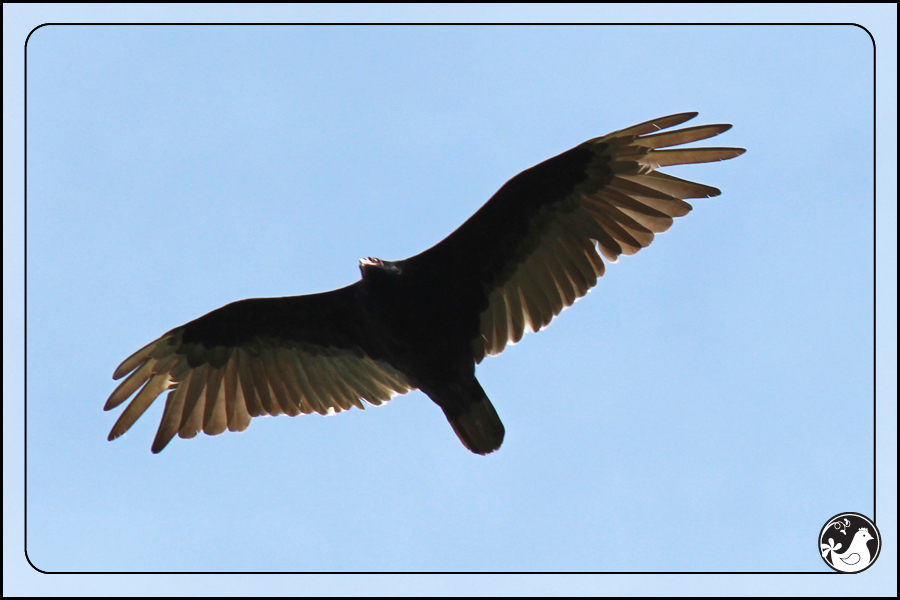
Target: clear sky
{"points": [[707, 407]]}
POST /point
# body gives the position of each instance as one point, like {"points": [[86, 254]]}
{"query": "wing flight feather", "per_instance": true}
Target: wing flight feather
{"points": [[241, 362], [540, 239]]}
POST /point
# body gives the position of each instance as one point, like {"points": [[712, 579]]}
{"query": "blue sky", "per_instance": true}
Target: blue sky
{"points": [[707, 407]]}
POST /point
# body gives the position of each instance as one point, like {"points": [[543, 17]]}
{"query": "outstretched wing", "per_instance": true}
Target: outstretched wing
{"points": [[532, 250], [266, 356]]}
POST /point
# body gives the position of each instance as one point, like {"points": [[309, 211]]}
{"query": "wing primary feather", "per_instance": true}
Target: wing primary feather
{"points": [[195, 404], [218, 421], [153, 388], [342, 365], [235, 403], [292, 395], [626, 242], [330, 391], [131, 384], [292, 379], [533, 300], [488, 327], [401, 384], [610, 254], [609, 247], [317, 400], [644, 235], [229, 385], [633, 186], [171, 419], [567, 290], [576, 274], [678, 207], [387, 379], [681, 136], [289, 379], [248, 386], [383, 386], [638, 232], [658, 220], [342, 392], [261, 384], [510, 306], [516, 312], [688, 156], [651, 224], [546, 286], [529, 300], [673, 186], [358, 382], [196, 395], [214, 411], [652, 125], [575, 251], [277, 383], [596, 261], [326, 380], [501, 333], [242, 415], [527, 310], [587, 230], [345, 398], [132, 362], [358, 385], [380, 387], [571, 236], [309, 400], [549, 265]]}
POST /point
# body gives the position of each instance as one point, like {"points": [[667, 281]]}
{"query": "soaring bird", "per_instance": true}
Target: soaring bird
{"points": [[425, 322]]}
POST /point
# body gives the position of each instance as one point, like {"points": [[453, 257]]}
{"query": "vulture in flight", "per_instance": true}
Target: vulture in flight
{"points": [[425, 322]]}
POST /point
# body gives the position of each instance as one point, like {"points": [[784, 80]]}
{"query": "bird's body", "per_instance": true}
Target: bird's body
{"points": [[424, 322]]}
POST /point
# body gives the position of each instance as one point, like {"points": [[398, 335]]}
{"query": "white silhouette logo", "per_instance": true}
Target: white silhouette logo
{"points": [[859, 553]]}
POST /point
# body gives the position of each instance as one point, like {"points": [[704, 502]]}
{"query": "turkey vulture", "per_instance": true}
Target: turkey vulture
{"points": [[425, 322]]}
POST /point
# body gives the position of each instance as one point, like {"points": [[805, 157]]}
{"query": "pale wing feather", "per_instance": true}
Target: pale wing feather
{"points": [[617, 210], [214, 421], [260, 378]]}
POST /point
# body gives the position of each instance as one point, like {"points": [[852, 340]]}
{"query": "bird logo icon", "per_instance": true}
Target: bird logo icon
{"points": [[862, 550]]}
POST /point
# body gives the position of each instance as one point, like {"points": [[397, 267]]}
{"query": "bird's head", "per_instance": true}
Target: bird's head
{"points": [[375, 267]]}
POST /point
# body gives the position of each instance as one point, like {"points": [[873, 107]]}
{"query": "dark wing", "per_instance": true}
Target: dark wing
{"points": [[532, 250], [266, 356]]}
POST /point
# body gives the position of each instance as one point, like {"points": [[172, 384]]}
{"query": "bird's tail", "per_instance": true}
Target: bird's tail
{"points": [[474, 419]]}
